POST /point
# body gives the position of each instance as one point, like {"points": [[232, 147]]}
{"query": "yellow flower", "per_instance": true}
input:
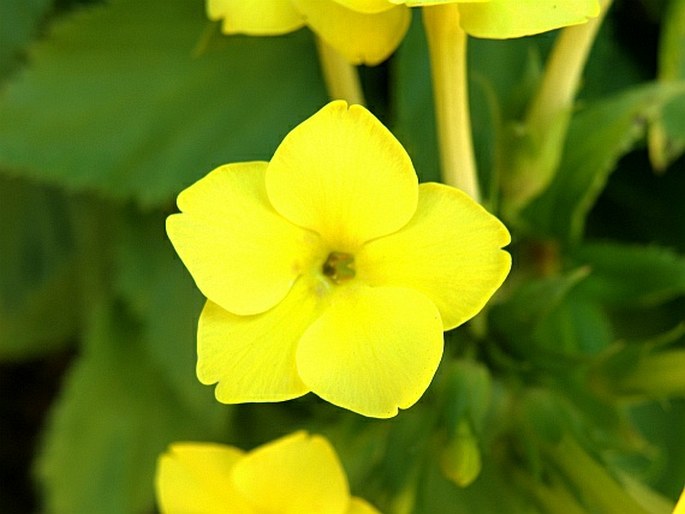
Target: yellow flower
{"points": [[368, 31], [330, 270], [363, 31], [503, 19], [296, 474]]}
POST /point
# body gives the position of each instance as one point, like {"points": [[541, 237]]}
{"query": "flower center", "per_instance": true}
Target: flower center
{"points": [[339, 267]]}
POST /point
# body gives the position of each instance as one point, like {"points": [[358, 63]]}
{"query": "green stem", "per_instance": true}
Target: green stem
{"points": [[553, 498], [549, 114], [563, 71], [593, 481], [658, 374], [341, 77], [447, 45]]}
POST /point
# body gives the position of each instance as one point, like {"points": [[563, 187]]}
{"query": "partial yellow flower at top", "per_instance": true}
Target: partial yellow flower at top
{"points": [[329, 269], [363, 31], [296, 474], [503, 19], [369, 31]]}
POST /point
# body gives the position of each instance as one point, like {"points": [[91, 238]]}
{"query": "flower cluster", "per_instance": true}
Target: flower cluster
{"points": [[329, 269]]}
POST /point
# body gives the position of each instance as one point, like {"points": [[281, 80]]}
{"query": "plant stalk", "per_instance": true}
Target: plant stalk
{"points": [[341, 77], [447, 43]]}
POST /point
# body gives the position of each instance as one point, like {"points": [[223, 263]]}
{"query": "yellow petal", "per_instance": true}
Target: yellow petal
{"points": [[424, 3], [500, 19], [255, 17], [359, 506], [242, 254], [363, 38], [253, 357], [294, 475], [366, 6], [372, 350], [450, 251], [680, 506], [195, 478], [342, 174]]}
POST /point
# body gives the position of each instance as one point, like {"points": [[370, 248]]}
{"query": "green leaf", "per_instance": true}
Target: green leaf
{"points": [[667, 132], [18, 21], [662, 424], [468, 392], [624, 275], [579, 325], [543, 415], [151, 278], [128, 99], [37, 282], [518, 319], [412, 96], [116, 414], [598, 136]]}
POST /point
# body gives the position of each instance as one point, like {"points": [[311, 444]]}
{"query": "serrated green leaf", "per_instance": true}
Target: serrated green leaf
{"points": [[624, 275], [123, 98], [18, 21], [667, 132], [116, 414], [37, 287], [598, 136]]}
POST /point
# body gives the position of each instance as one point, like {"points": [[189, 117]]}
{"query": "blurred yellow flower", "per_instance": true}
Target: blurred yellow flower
{"points": [[296, 474], [368, 31], [363, 31], [503, 19], [329, 269]]}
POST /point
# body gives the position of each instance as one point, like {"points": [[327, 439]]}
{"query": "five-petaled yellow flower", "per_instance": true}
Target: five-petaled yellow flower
{"points": [[296, 474], [329, 269], [368, 31]]}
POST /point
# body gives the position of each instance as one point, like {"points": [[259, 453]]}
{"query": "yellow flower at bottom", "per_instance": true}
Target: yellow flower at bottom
{"points": [[329, 269], [296, 474]]}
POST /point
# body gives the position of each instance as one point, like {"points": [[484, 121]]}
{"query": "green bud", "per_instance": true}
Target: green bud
{"points": [[461, 459]]}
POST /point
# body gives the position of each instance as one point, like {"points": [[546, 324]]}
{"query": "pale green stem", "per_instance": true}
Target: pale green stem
{"points": [[549, 114], [553, 498], [563, 71], [341, 77], [447, 46], [657, 374], [592, 480]]}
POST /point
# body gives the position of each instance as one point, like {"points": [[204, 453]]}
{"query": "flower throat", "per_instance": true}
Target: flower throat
{"points": [[339, 267]]}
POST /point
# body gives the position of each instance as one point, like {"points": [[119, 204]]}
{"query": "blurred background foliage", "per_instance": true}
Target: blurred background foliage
{"points": [[566, 394]]}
